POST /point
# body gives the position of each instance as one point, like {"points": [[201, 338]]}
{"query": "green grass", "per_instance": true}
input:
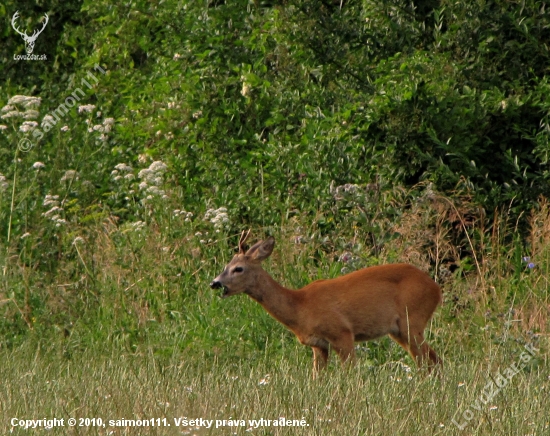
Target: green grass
{"points": [[108, 320], [227, 359], [108, 382]]}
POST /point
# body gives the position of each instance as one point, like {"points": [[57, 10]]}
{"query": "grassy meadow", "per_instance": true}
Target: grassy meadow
{"points": [[152, 340]]}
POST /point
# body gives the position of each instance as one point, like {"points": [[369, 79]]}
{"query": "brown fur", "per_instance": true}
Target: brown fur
{"points": [[396, 300]]}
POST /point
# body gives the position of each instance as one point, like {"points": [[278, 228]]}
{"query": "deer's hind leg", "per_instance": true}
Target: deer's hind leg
{"points": [[411, 338], [344, 347], [418, 348], [320, 359]]}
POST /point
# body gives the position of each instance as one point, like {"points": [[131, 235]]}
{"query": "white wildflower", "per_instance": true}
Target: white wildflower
{"points": [[24, 100], [197, 115], [69, 175], [155, 191], [158, 166], [108, 121], [145, 173], [123, 167], [53, 210], [143, 185], [129, 176], [51, 200], [98, 128], [117, 178], [78, 240], [27, 126], [48, 119], [3, 127], [26, 235], [138, 225], [65, 128], [30, 114], [176, 56], [86, 108], [7, 108], [38, 165], [11, 114], [218, 217], [32, 101]]}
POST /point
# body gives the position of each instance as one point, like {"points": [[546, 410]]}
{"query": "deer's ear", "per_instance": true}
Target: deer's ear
{"points": [[261, 250]]}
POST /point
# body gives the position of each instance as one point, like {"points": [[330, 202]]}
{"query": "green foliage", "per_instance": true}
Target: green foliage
{"points": [[257, 104]]}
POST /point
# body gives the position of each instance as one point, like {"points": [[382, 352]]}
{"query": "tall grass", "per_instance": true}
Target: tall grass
{"points": [[106, 313]]}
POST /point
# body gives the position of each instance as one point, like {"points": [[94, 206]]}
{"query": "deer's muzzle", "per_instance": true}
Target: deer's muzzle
{"points": [[218, 285]]}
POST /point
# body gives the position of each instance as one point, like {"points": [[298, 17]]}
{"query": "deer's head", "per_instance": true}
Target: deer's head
{"points": [[29, 40], [244, 271]]}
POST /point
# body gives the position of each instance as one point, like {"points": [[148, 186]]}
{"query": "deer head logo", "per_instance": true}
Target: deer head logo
{"points": [[29, 40]]}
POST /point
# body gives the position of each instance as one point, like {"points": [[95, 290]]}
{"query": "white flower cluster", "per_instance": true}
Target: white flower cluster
{"points": [[38, 165], [122, 171], [86, 108], [137, 226], [152, 178], [27, 102], [218, 217], [187, 215], [27, 126], [54, 213], [104, 128], [3, 183], [340, 192], [69, 175], [48, 119]]}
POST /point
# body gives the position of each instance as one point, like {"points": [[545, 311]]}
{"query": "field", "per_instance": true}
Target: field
{"points": [[156, 342]]}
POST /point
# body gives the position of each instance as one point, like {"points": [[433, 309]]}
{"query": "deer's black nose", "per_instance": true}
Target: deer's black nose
{"points": [[215, 285]]}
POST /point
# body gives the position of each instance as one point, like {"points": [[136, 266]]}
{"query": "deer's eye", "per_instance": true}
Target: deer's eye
{"points": [[238, 269]]}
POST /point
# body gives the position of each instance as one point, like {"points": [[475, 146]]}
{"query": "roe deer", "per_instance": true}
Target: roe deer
{"points": [[396, 300]]}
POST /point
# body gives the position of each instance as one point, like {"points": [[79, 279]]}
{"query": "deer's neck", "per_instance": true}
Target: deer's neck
{"points": [[281, 303]]}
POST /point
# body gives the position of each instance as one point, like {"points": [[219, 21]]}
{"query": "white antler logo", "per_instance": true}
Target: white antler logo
{"points": [[29, 40]]}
